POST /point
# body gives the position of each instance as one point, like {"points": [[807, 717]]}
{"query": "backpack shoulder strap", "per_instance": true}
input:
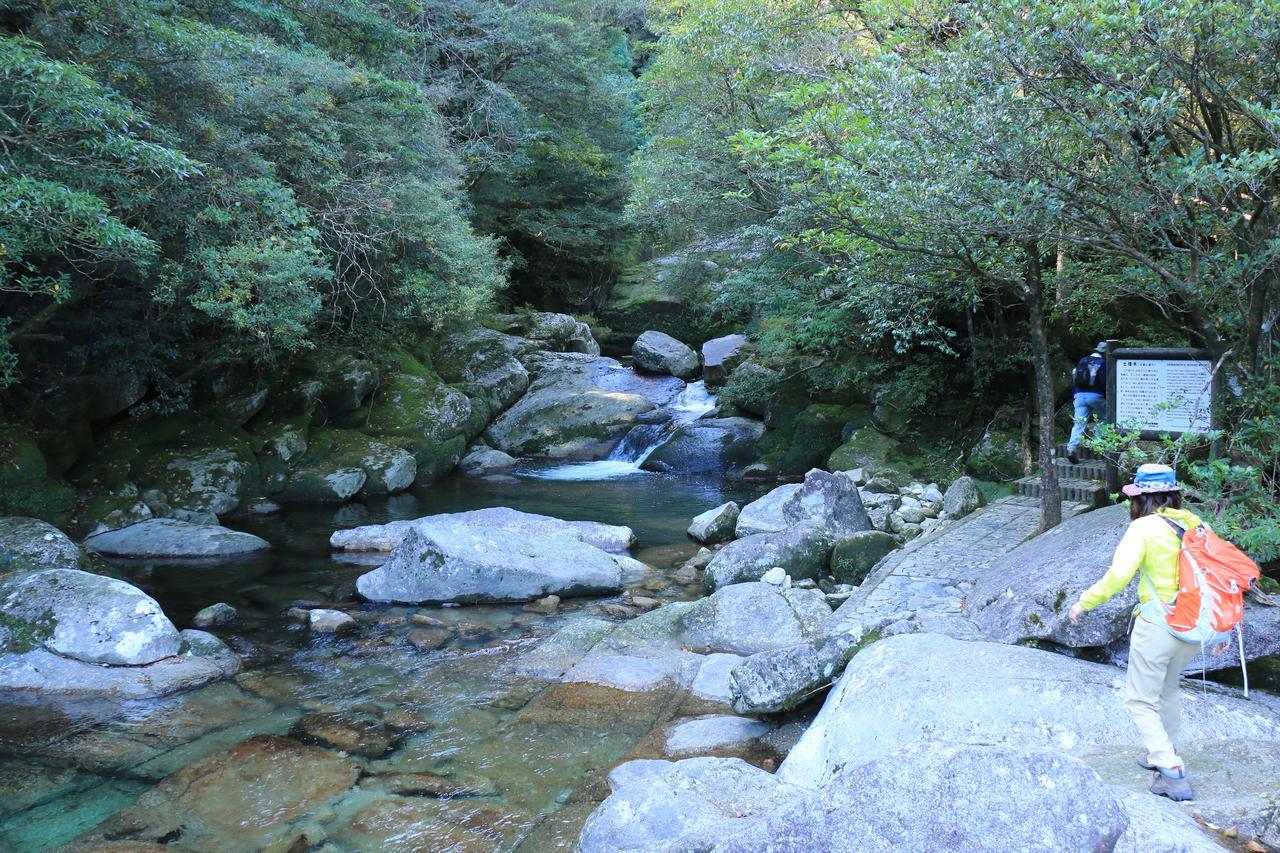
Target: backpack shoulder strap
{"points": [[1178, 529]]}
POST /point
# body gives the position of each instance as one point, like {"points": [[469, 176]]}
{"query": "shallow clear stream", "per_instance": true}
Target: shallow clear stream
{"points": [[512, 750]]}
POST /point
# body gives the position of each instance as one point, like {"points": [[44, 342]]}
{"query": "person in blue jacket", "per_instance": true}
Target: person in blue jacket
{"points": [[1090, 379]]}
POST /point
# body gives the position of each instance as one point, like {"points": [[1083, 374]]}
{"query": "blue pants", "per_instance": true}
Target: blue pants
{"points": [[1090, 405]]}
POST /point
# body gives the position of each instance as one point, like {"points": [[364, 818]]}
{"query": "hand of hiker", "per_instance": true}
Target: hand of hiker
{"points": [[1220, 648], [1075, 613]]}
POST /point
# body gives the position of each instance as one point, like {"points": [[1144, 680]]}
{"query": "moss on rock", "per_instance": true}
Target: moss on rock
{"points": [[25, 485]]}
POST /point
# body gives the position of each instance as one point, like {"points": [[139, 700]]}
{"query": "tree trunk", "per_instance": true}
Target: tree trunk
{"points": [[1028, 417], [1050, 491]]}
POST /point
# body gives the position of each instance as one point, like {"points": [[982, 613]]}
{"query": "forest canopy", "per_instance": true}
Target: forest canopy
{"points": [[188, 183]]}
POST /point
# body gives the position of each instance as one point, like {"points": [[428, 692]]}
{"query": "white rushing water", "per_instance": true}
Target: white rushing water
{"points": [[637, 445]]}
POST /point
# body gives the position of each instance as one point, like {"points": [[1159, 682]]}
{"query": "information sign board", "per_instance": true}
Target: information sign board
{"points": [[1161, 391]]}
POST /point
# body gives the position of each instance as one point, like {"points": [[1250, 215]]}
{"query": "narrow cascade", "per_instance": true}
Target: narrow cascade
{"points": [[638, 444]]}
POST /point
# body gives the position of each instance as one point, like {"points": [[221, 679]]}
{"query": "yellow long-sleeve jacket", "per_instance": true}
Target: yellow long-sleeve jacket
{"points": [[1149, 546]]}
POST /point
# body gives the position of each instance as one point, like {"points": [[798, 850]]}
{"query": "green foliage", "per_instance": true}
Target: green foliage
{"points": [[229, 182]]}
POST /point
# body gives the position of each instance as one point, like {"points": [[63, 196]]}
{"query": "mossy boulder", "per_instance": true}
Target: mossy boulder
{"points": [[854, 556], [388, 468], [29, 543], [189, 466], [26, 488], [322, 482], [565, 414], [110, 511], [997, 455], [798, 440], [876, 453], [346, 380], [422, 415], [487, 359]]}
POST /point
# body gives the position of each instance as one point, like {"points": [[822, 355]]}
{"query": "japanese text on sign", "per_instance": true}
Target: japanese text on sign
{"points": [[1164, 395]]}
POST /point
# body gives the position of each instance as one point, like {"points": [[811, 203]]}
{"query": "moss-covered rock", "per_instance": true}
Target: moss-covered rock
{"points": [[487, 359], [854, 556], [798, 441], [388, 468], [26, 488], [419, 408], [187, 465], [870, 450], [997, 455], [99, 513], [29, 543], [322, 483], [345, 379]]}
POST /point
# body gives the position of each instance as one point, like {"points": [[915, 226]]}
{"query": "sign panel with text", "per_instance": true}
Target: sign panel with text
{"points": [[1161, 391]]}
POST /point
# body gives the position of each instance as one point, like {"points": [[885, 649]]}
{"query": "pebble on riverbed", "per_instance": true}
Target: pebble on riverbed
{"points": [[549, 604], [215, 615], [329, 621]]}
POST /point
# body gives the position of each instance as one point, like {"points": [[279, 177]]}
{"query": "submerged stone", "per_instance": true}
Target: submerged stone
{"points": [[168, 537]]}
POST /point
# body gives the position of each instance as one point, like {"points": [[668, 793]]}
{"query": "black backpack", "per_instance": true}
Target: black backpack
{"points": [[1091, 374]]}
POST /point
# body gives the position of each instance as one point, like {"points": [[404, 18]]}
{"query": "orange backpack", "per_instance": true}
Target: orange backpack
{"points": [[1213, 576]]}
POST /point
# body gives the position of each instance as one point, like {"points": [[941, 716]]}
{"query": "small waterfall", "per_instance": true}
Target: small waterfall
{"points": [[637, 445]]}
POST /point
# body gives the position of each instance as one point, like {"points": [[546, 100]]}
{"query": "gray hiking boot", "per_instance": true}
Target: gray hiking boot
{"points": [[1176, 788]]}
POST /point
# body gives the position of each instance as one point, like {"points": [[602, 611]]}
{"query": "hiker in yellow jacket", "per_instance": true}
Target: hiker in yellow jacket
{"points": [[1156, 658]]}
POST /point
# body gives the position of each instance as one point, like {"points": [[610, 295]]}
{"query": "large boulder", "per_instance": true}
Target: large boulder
{"points": [[168, 538], [323, 482], [203, 658], [855, 555], [765, 515], [558, 333], [829, 502], [85, 617], [916, 688], [683, 805], [1261, 640], [480, 461], [1026, 593], [448, 562], [29, 543], [800, 551], [968, 799], [720, 356], [746, 618], [207, 477], [387, 468], [998, 454], [869, 450], [962, 497], [385, 537], [485, 358], [708, 445], [715, 525], [658, 352], [427, 417], [566, 414]]}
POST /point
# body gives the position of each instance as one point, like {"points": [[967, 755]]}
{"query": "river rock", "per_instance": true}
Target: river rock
{"points": [[385, 537], [1261, 639], [566, 414], [324, 621], [708, 445], [197, 482], [962, 497], [801, 552], [745, 618], [720, 356], [853, 556], [215, 615], [676, 805], [993, 798], [85, 617], [912, 689], [488, 359], [658, 352], [829, 502], [1026, 593], [168, 537], [560, 333], [764, 515], [29, 543], [323, 483], [203, 659], [715, 525], [712, 733], [448, 562], [485, 460], [345, 381], [387, 468], [426, 416], [255, 792]]}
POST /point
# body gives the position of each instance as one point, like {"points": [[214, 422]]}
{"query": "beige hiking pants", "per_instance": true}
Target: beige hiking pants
{"points": [[1156, 661]]}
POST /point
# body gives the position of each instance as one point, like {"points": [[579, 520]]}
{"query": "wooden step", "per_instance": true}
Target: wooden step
{"points": [[1083, 453], [1089, 492]]}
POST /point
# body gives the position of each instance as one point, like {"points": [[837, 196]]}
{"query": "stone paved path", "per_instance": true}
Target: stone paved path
{"points": [[925, 583]]}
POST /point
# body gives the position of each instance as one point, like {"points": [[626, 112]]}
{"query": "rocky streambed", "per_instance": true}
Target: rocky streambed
{"points": [[605, 631]]}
